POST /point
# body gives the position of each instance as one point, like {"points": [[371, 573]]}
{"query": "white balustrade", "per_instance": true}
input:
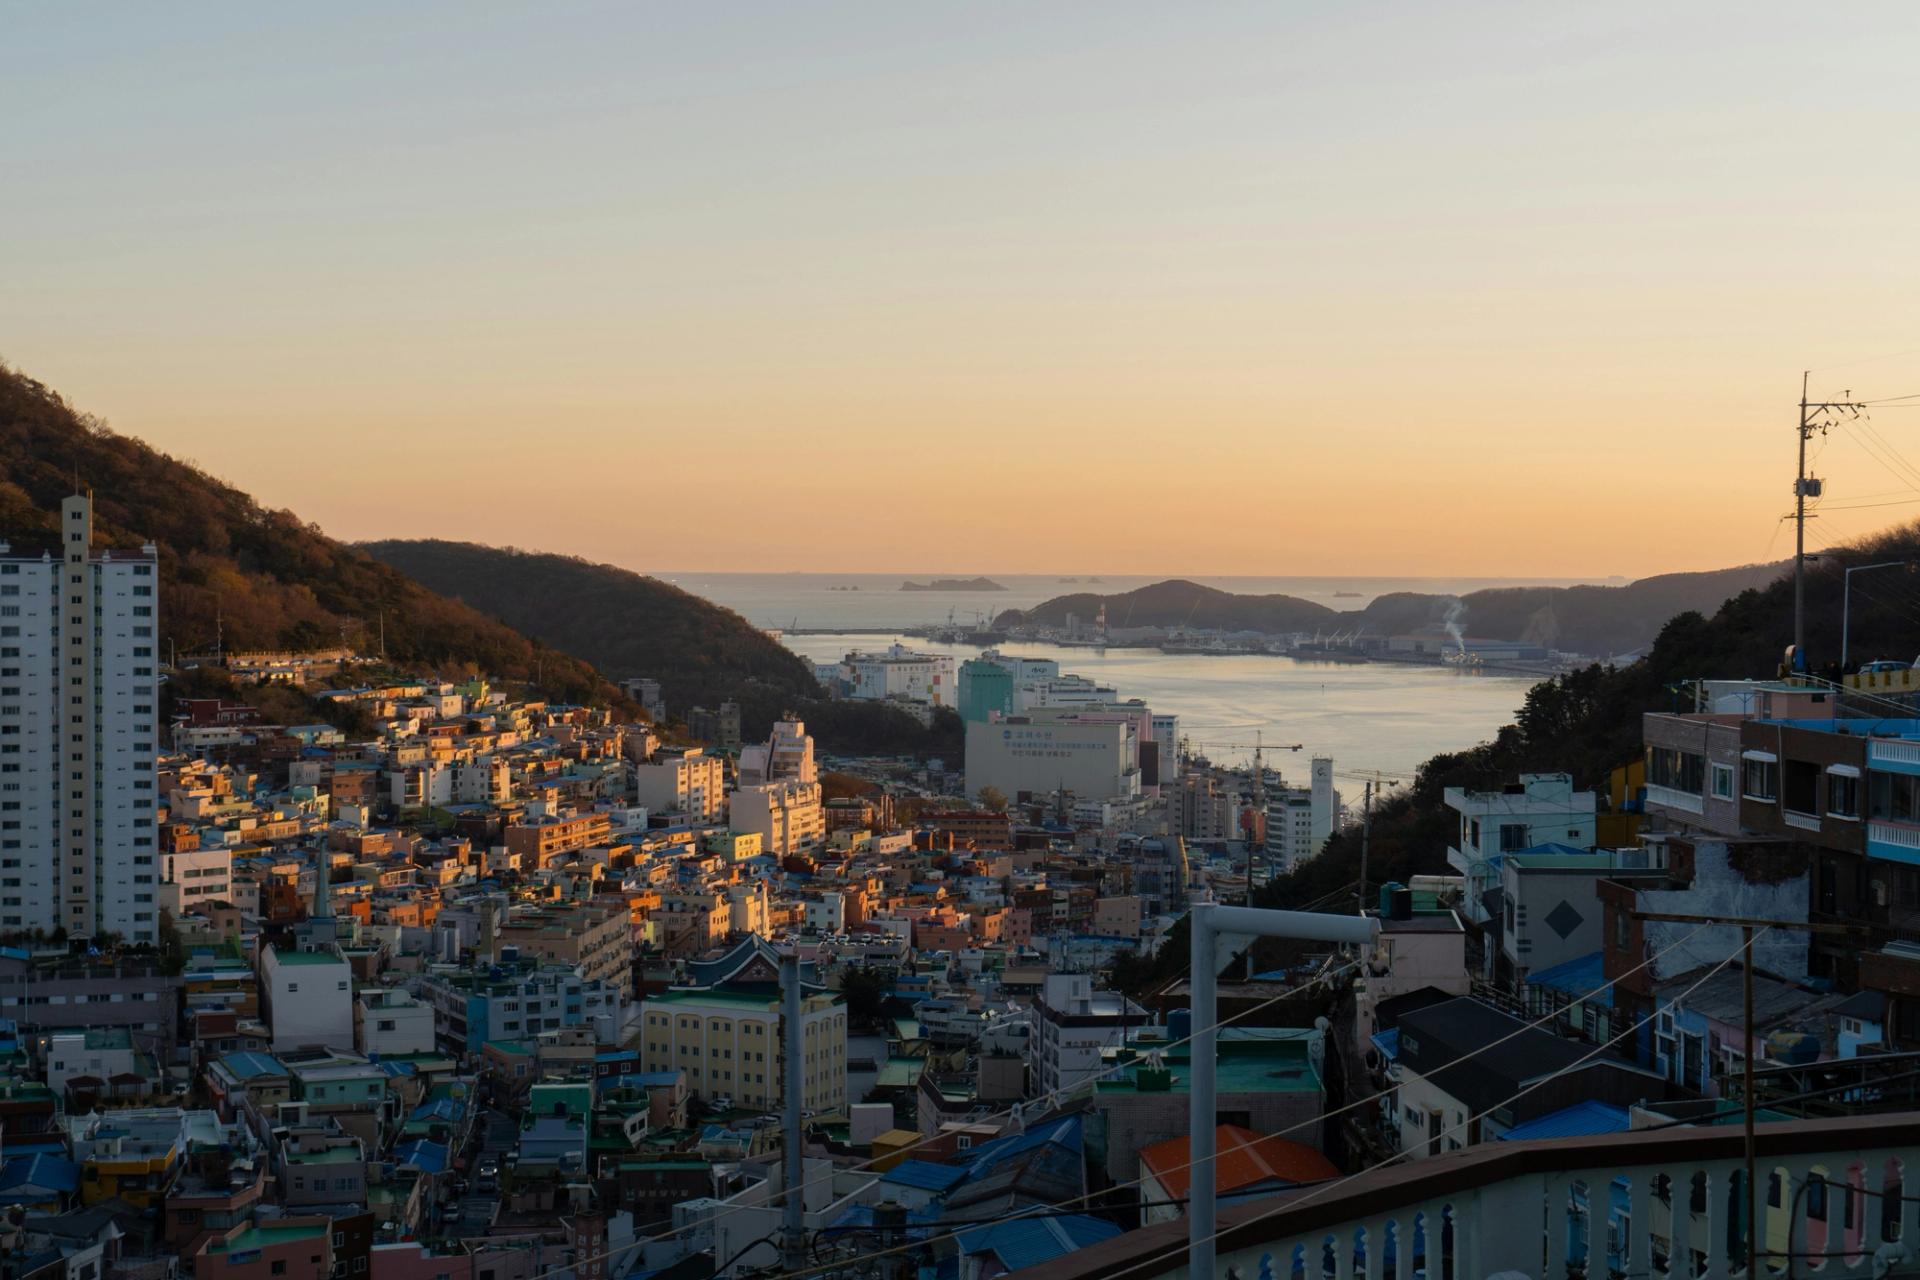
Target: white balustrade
{"points": [[1571, 1223]]}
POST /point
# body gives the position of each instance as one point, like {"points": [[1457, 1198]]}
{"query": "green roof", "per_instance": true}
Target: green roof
{"points": [[331, 1155], [307, 957], [714, 996], [900, 1073], [262, 1237], [1252, 1060]]}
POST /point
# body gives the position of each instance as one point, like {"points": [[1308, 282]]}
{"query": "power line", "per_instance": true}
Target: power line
{"points": [[1026, 1105], [1322, 1118], [1324, 1188], [1081, 1199]]}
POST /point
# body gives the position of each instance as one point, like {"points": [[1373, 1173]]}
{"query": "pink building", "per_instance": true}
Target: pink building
{"points": [[276, 1249]]}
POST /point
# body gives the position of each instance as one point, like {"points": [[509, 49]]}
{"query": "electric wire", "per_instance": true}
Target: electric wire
{"points": [[1081, 1199], [1323, 1117], [1325, 1188]]}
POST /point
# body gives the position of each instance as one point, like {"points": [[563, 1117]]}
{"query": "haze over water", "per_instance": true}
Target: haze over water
{"points": [[1386, 716], [787, 600]]}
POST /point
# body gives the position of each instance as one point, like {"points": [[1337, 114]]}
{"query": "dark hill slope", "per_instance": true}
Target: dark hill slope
{"points": [[270, 579], [1593, 620], [1588, 722], [628, 624], [1181, 603], [624, 623]]}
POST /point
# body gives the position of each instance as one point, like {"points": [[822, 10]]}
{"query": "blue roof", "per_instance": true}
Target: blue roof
{"points": [[1557, 847], [40, 1170], [1388, 1043], [925, 1175], [1581, 977], [449, 1109], [1029, 1242], [1581, 1120], [428, 1157], [859, 1217], [1066, 1132], [247, 1064]]}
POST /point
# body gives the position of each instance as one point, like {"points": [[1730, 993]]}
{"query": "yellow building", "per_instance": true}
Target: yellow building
{"points": [[724, 1032]]}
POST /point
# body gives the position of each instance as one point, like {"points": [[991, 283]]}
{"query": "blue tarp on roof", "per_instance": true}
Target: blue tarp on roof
{"points": [[1580, 977], [924, 1175], [1581, 1120], [1029, 1242], [428, 1157], [1388, 1043]]}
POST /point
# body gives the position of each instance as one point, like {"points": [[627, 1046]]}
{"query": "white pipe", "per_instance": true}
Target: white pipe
{"points": [[1205, 924]]}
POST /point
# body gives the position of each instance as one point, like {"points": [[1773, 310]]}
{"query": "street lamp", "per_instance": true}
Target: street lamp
{"points": [[1846, 599]]}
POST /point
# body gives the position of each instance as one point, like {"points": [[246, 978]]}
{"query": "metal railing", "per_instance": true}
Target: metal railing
{"points": [[1654, 1204]]}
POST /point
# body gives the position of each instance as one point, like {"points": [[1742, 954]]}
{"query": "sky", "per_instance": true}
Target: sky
{"points": [[1267, 288]]}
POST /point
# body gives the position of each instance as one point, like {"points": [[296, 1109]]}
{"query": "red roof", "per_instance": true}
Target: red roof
{"points": [[1246, 1159]]}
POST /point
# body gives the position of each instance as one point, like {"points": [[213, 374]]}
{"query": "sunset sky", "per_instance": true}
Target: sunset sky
{"points": [[1268, 288]]}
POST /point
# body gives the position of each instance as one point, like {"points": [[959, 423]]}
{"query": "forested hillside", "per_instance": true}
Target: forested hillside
{"points": [[261, 578]]}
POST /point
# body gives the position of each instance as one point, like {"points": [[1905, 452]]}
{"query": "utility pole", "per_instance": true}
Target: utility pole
{"points": [[1366, 832], [793, 1242], [1258, 825], [1747, 926], [1815, 415]]}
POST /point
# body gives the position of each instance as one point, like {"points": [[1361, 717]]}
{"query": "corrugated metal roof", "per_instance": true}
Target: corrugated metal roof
{"points": [[1244, 1159], [1028, 1242], [925, 1175], [1581, 1120], [1577, 977]]}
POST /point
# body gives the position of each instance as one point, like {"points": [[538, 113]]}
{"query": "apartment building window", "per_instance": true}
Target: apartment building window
{"points": [[1893, 798], [1723, 782], [1761, 776], [1843, 792], [1675, 769], [1800, 786]]}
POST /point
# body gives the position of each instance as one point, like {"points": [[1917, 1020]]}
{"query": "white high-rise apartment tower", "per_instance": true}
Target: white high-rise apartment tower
{"points": [[78, 701]]}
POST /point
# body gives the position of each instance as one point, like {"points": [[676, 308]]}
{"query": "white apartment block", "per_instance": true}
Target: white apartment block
{"points": [[79, 695], [690, 782], [1076, 1026], [788, 816], [1299, 819], [786, 756], [900, 672], [190, 879], [391, 1021]]}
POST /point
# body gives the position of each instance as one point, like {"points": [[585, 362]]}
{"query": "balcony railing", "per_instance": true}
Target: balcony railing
{"points": [[1673, 798], [1656, 1204], [1892, 751]]}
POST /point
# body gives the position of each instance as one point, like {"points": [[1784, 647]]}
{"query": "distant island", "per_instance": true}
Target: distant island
{"points": [[954, 584]]}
